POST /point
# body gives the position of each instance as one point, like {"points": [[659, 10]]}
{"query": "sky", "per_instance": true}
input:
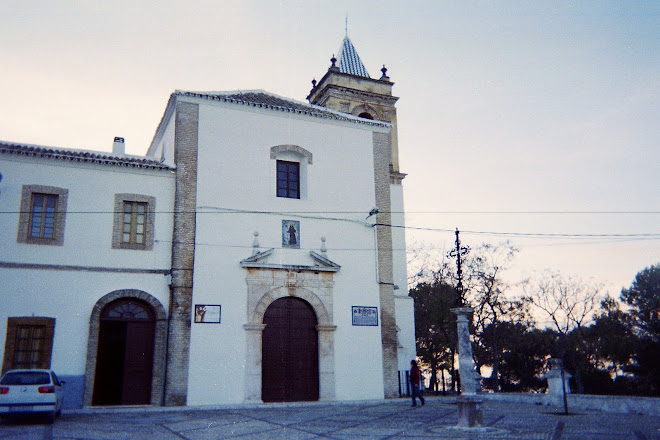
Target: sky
{"points": [[532, 122]]}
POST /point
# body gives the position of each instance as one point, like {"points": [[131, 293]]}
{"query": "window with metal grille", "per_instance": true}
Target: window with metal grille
{"points": [[288, 179], [29, 343], [134, 222], [127, 310]]}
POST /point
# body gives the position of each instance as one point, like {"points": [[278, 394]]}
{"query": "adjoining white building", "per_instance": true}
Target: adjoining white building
{"points": [[249, 256]]}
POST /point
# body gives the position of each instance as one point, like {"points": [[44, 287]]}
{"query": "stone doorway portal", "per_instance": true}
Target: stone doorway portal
{"points": [[290, 352]]}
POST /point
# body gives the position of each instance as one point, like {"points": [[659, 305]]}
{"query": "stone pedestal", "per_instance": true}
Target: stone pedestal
{"points": [[469, 412], [555, 392], [466, 368], [469, 406]]}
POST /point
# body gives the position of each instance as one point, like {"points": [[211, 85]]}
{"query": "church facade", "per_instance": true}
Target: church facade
{"points": [[249, 256]]}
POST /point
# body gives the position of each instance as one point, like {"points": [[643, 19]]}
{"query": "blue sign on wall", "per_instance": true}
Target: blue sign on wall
{"points": [[365, 315]]}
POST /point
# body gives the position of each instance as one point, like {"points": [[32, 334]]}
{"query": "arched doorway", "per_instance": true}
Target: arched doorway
{"points": [[124, 364], [290, 354]]}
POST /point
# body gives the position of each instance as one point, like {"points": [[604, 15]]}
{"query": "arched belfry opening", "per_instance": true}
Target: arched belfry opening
{"points": [[365, 115]]}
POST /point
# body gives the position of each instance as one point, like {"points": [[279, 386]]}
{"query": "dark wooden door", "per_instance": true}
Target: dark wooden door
{"points": [[138, 363], [109, 363], [290, 354], [124, 361]]}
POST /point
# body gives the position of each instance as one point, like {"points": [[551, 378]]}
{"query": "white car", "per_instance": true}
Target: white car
{"points": [[30, 392]]}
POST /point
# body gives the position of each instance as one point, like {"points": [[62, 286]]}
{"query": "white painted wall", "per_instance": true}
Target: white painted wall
{"points": [[69, 295], [163, 148], [399, 240], [235, 172], [405, 313], [405, 319]]}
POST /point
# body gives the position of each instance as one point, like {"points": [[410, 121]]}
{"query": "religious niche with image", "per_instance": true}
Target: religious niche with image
{"points": [[291, 234]]}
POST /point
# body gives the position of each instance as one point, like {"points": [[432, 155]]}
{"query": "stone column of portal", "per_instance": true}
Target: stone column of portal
{"points": [[326, 361], [469, 406], [253, 369]]}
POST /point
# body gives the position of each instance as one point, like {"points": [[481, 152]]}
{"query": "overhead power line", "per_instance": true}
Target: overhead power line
{"points": [[322, 215], [241, 211], [652, 235]]}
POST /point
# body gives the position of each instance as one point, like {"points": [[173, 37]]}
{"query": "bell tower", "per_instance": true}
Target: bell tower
{"points": [[347, 87]]}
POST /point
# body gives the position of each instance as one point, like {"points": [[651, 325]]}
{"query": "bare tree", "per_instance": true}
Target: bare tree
{"points": [[425, 262], [569, 302]]}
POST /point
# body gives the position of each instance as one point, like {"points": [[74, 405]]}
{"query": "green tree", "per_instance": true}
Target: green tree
{"points": [[613, 336], [523, 351], [435, 324], [643, 298]]}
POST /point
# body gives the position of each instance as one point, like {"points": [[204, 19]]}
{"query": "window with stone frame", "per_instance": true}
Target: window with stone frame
{"points": [[42, 215], [29, 343], [133, 225], [291, 169]]}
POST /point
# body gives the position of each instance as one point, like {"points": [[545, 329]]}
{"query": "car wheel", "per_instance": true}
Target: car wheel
{"points": [[50, 418]]}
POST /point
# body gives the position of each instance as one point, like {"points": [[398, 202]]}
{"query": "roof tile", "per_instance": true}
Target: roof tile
{"points": [[79, 156]]}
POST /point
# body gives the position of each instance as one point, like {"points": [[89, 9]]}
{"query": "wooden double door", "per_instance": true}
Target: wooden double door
{"points": [[290, 353], [124, 363]]}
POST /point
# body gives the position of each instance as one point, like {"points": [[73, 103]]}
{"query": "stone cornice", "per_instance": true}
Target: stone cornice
{"points": [[337, 91], [322, 263], [396, 178]]}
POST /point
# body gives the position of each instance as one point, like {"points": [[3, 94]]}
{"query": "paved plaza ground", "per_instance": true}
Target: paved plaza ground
{"points": [[391, 419]]}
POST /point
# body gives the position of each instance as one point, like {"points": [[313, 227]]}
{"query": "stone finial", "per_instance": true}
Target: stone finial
{"points": [[324, 249], [384, 77], [314, 83], [333, 60], [255, 244]]}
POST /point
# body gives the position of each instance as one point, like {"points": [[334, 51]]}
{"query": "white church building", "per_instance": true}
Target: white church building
{"points": [[254, 254]]}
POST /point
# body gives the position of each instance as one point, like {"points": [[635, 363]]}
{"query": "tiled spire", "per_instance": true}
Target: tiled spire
{"points": [[349, 60]]}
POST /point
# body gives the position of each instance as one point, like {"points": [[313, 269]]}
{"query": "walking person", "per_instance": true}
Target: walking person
{"points": [[415, 378]]}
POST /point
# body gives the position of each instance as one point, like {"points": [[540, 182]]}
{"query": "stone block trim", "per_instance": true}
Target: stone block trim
{"points": [[160, 331], [118, 222], [183, 253], [300, 151], [382, 155], [26, 212]]}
